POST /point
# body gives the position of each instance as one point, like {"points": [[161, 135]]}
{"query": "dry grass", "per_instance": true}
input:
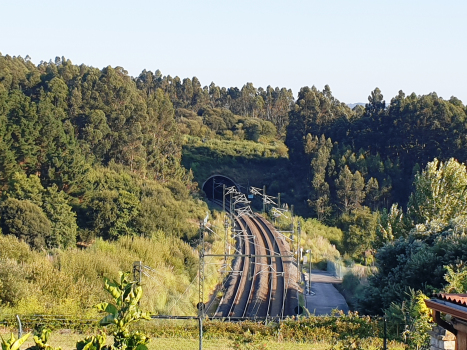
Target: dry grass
{"points": [[67, 341]]}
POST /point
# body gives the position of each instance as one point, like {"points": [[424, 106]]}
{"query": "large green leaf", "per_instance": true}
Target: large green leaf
{"points": [[112, 288], [109, 319], [14, 344], [141, 347], [107, 307]]}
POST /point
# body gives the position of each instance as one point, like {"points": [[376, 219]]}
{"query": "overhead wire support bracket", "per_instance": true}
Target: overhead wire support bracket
{"points": [[269, 269], [245, 211], [251, 255], [279, 212]]}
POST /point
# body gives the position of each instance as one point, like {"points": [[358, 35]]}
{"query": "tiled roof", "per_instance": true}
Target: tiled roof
{"points": [[459, 299]]}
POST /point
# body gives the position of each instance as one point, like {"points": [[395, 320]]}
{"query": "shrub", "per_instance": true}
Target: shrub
{"points": [[26, 221]]}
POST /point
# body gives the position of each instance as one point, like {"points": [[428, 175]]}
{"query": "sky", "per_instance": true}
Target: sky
{"points": [[353, 46]]}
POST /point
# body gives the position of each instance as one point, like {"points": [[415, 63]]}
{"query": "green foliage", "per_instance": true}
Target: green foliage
{"points": [[456, 277], [403, 264], [112, 213], [26, 221], [359, 228], [247, 341], [320, 199], [123, 313], [23, 187], [61, 216], [325, 242], [93, 342], [53, 202], [440, 192], [413, 316], [68, 281], [392, 225], [63, 125], [13, 343], [430, 238], [41, 340]]}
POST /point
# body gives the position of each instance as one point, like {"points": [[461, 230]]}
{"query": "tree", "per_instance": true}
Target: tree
{"points": [[96, 132], [23, 187], [344, 188], [359, 228], [372, 193], [392, 225], [121, 314], [440, 192], [320, 196], [113, 213], [62, 218], [27, 221]]}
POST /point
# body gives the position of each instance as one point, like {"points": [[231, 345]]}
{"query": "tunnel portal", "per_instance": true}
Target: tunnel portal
{"points": [[214, 184]]}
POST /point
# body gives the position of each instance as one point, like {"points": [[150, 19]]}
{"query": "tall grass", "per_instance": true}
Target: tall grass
{"points": [[70, 281], [322, 240]]}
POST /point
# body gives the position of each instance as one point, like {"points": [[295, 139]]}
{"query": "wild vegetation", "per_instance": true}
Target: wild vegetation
{"points": [[98, 166]]}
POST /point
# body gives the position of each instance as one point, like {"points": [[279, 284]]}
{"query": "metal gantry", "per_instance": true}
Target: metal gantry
{"points": [[240, 199]]}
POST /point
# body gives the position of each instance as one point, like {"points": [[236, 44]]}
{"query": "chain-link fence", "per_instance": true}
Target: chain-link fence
{"points": [[337, 268]]}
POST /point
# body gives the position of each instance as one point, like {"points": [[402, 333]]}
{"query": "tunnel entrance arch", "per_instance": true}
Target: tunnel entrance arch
{"points": [[214, 184]]}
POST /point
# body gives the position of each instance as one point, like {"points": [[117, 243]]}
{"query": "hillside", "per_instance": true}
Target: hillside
{"points": [[90, 157]]}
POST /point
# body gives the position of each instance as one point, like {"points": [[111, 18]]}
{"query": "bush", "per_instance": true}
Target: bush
{"points": [[26, 221]]}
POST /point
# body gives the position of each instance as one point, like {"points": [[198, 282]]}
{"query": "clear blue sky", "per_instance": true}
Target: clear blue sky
{"points": [[354, 45]]}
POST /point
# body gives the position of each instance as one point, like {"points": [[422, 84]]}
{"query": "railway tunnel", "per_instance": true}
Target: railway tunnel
{"points": [[214, 184]]}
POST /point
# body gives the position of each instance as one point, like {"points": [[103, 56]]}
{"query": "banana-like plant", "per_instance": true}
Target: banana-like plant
{"points": [[41, 341], [95, 342], [13, 343], [121, 314]]}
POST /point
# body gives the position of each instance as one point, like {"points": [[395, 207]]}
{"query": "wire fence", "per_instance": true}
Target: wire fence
{"points": [[38, 322], [337, 268]]}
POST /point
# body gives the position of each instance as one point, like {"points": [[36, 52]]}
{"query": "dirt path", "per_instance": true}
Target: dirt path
{"points": [[324, 297]]}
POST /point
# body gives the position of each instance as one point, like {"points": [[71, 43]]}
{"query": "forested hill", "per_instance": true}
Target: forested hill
{"points": [[87, 152], [369, 155], [105, 148], [84, 153]]}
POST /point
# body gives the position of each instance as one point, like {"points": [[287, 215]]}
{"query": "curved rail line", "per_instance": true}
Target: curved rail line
{"points": [[259, 289], [272, 304]]}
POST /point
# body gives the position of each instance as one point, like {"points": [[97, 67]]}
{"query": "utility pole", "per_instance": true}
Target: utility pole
{"points": [[213, 187], [137, 271], [309, 272], [264, 199], [279, 200], [226, 227], [309, 276], [299, 229], [223, 198], [201, 285], [385, 344]]}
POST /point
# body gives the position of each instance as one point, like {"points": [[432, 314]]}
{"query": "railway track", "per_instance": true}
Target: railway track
{"points": [[259, 285]]}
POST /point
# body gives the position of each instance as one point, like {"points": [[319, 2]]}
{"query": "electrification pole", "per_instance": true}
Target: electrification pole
{"points": [[299, 229], [226, 227], [137, 271], [309, 272], [223, 198], [213, 187], [201, 285], [309, 276]]}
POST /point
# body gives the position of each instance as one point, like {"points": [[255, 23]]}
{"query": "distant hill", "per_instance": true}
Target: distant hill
{"points": [[353, 105]]}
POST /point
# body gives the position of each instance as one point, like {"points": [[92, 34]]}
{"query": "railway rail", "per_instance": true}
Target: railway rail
{"points": [[260, 286]]}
